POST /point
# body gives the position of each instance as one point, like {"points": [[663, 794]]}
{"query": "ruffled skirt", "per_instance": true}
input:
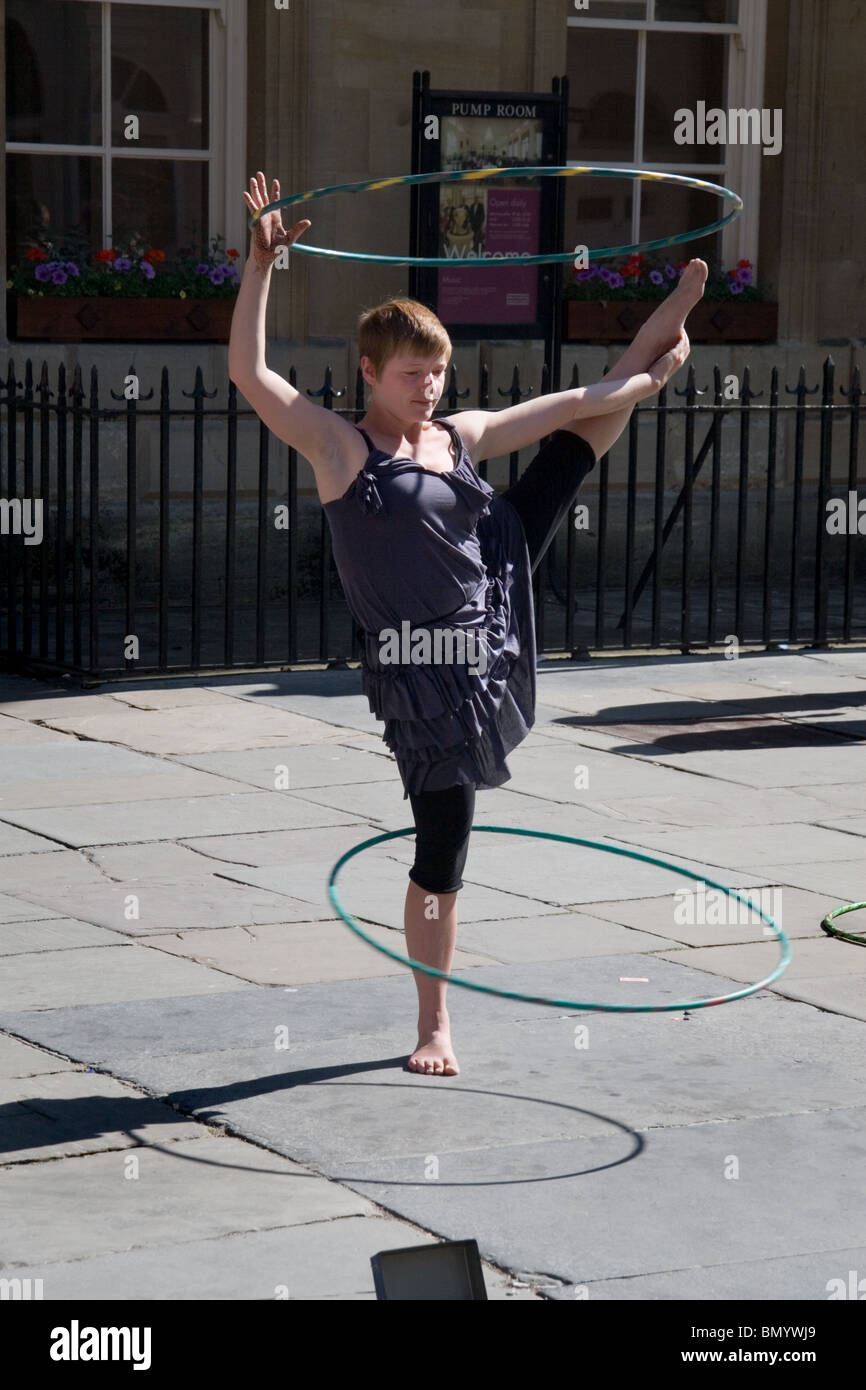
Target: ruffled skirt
{"points": [[453, 722]]}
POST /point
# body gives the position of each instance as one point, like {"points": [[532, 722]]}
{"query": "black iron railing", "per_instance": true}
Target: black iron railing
{"points": [[161, 534]]}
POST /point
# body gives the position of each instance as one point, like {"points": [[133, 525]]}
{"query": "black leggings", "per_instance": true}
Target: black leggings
{"points": [[541, 496]]}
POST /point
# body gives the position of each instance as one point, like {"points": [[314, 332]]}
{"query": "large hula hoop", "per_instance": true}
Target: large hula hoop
{"points": [[687, 1004], [856, 939], [534, 171]]}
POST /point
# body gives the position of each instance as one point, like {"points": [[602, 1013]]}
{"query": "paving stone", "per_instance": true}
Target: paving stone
{"points": [[15, 732], [317, 765], [153, 820], [719, 805], [80, 773], [373, 887], [340, 1098], [620, 1223], [777, 755], [555, 937], [547, 772], [173, 697], [850, 825], [321, 845], [163, 905], [796, 911], [73, 1112], [64, 868], [155, 860], [195, 1188], [843, 798], [749, 847], [563, 874], [15, 841], [18, 910], [98, 974], [240, 724], [343, 702], [752, 1281], [19, 1059], [811, 959], [320, 1261], [52, 934], [843, 994], [839, 881], [607, 704], [49, 705], [298, 954]]}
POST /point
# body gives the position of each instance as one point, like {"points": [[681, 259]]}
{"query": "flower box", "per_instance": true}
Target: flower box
{"points": [[111, 319], [719, 321]]}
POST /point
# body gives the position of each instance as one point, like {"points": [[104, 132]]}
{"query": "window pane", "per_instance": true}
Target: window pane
{"points": [[701, 75], [159, 72], [55, 195], [602, 67], [163, 200], [669, 210], [598, 212], [52, 72], [698, 11]]}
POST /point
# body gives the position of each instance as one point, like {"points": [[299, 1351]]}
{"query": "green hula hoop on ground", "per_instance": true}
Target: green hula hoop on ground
{"points": [[843, 935], [687, 1004], [535, 171]]}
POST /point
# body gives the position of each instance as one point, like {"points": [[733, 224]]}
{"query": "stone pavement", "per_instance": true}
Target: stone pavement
{"points": [[203, 1078]]}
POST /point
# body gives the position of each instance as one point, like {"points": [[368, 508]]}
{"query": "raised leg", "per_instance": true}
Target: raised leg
{"points": [[656, 337]]}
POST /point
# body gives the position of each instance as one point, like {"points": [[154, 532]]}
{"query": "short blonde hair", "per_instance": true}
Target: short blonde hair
{"points": [[398, 325]]}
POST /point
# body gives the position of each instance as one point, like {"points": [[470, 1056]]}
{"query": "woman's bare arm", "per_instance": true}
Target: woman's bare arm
{"points": [[493, 433], [315, 432]]}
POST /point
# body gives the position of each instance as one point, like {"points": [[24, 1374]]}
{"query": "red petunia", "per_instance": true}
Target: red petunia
{"points": [[34, 254], [233, 253], [104, 255], [152, 255], [741, 264]]}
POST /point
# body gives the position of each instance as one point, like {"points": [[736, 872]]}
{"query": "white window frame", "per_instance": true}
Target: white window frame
{"points": [[227, 98], [741, 172]]}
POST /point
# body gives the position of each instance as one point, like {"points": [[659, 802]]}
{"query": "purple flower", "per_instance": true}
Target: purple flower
{"points": [[657, 277], [201, 268], [736, 287], [59, 276], [606, 275], [217, 275], [616, 281], [587, 274], [745, 275], [670, 271], [232, 272], [123, 263], [71, 268], [44, 271], [146, 269]]}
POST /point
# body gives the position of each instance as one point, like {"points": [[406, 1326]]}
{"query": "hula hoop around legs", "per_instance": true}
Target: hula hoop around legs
{"points": [[466, 175], [688, 1004]]}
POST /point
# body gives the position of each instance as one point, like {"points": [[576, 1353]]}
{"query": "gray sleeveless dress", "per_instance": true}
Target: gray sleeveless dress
{"points": [[439, 550]]}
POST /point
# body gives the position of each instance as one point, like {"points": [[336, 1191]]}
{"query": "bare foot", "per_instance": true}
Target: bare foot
{"points": [[434, 1053], [662, 329]]}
